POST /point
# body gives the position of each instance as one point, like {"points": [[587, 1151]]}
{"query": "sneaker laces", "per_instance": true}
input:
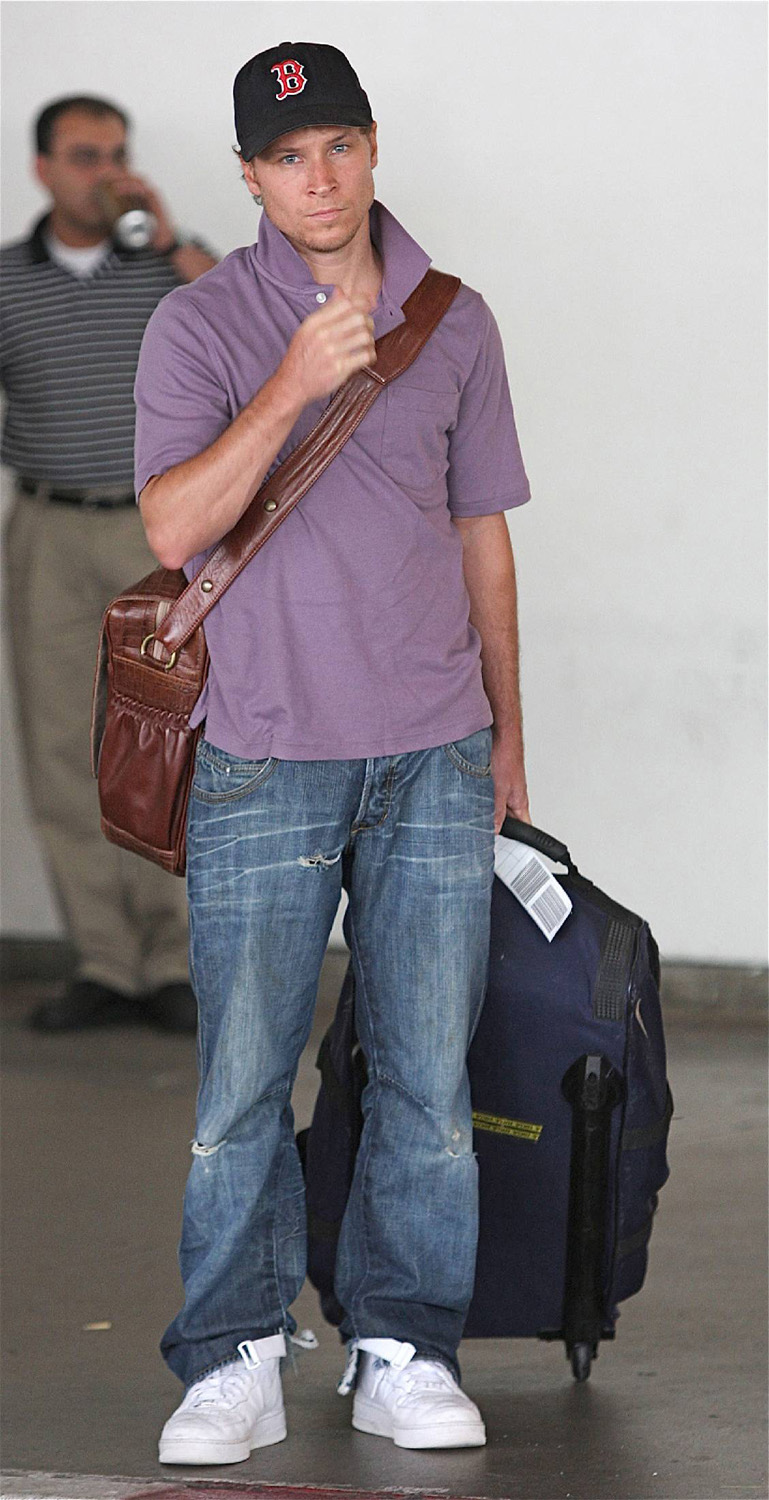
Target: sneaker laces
{"points": [[223, 1387], [423, 1375]]}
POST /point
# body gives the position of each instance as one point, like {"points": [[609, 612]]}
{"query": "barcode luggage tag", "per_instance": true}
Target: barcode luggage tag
{"points": [[527, 876]]}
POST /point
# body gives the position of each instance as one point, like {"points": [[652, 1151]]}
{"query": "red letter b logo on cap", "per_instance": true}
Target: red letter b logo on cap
{"points": [[290, 77]]}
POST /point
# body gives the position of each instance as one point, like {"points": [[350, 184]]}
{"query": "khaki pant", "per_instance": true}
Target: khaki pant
{"points": [[126, 918]]}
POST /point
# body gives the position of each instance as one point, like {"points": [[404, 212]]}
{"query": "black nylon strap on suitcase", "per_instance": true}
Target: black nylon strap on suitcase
{"points": [[614, 971]]}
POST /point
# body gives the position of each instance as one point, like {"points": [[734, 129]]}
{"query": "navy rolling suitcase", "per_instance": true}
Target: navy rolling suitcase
{"points": [[571, 1110]]}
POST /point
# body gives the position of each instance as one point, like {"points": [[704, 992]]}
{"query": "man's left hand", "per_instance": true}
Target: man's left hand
{"points": [[507, 769]]}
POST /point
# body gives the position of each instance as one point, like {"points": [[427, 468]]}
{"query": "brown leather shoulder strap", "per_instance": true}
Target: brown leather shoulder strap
{"points": [[278, 494]]}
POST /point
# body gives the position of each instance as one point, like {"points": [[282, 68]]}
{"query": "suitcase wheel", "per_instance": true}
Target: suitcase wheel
{"points": [[581, 1360]]}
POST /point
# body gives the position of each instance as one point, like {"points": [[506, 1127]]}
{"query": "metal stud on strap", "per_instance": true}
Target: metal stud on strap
{"points": [[270, 504]]}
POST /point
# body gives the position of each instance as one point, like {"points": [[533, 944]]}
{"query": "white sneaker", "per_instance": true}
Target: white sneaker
{"points": [[236, 1408], [416, 1402]]}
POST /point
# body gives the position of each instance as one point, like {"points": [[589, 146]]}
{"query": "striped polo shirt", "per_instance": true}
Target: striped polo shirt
{"points": [[69, 347]]}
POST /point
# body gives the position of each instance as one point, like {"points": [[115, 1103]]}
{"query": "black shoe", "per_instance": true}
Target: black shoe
{"points": [[173, 1007], [87, 1004]]}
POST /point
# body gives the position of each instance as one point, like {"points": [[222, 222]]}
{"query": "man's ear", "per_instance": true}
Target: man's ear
{"points": [[250, 178], [41, 170], [374, 148]]}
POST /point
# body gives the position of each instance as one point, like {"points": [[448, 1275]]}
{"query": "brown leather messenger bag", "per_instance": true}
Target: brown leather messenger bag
{"points": [[153, 661]]}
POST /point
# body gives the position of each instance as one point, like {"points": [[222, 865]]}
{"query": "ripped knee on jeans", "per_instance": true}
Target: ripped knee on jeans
{"points": [[198, 1149], [461, 1144], [319, 861]]}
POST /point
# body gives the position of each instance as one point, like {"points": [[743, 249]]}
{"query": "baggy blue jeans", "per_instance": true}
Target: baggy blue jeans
{"points": [[270, 845]]}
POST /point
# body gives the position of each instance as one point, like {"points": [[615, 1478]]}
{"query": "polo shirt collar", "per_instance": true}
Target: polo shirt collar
{"points": [[38, 249], [404, 264]]}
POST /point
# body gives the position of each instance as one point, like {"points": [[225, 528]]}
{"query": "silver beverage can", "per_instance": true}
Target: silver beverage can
{"points": [[131, 222]]}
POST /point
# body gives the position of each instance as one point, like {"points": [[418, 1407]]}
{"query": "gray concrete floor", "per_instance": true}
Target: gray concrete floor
{"points": [[96, 1152]]}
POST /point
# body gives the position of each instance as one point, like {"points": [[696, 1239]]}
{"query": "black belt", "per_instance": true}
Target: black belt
{"points": [[75, 497]]}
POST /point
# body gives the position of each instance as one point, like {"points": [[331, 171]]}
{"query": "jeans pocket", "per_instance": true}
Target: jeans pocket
{"points": [[472, 754], [221, 777]]}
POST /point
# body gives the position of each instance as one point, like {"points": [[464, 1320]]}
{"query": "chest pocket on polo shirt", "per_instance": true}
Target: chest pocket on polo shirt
{"points": [[415, 441]]}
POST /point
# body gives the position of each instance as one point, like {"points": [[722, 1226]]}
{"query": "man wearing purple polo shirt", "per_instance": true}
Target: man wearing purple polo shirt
{"points": [[363, 730]]}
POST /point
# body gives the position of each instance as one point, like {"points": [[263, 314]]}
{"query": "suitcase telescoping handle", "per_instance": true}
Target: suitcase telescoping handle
{"points": [[544, 843]]}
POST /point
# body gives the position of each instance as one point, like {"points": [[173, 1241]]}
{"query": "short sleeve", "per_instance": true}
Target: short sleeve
{"points": [[182, 404], [486, 472]]}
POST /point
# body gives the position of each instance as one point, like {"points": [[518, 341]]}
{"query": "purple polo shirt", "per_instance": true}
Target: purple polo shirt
{"points": [[348, 634]]}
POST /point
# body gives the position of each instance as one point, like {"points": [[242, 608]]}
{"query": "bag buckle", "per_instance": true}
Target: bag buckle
{"points": [[143, 652]]}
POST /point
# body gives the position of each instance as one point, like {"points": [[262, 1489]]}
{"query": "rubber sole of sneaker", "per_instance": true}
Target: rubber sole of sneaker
{"points": [[181, 1451], [371, 1419]]}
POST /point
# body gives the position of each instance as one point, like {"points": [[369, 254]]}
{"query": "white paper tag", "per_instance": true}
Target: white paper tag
{"points": [[527, 876]]}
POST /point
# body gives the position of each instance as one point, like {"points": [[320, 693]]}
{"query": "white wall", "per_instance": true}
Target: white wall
{"points": [[598, 171]]}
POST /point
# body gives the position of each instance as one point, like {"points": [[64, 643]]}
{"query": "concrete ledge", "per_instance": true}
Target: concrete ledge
{"points": [[733, 994]]}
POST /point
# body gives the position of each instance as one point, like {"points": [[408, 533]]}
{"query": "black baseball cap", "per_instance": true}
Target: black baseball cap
{"points": [[291, 85]]}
